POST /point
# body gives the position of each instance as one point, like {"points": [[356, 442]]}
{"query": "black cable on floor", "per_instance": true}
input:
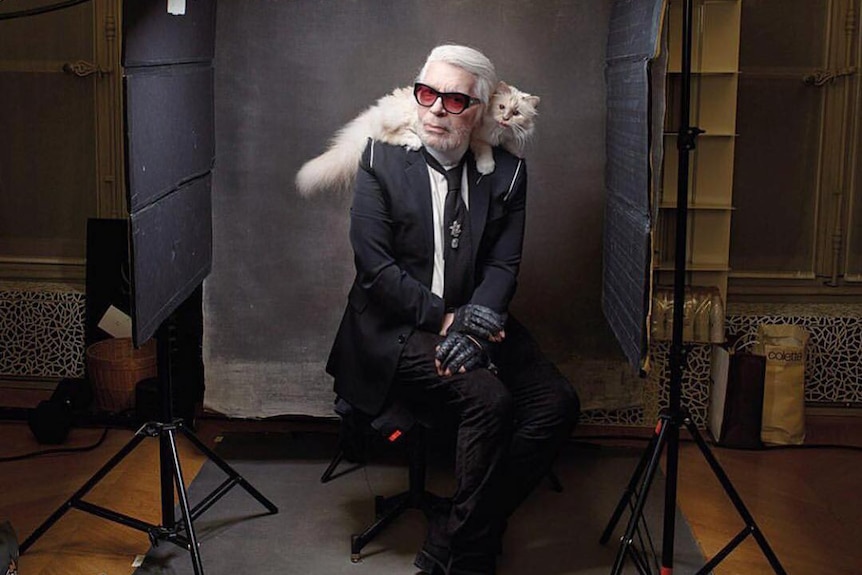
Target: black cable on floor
{"points": [[57, 451]]}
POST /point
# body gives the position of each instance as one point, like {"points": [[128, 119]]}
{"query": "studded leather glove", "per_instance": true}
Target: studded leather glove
{"points": [[478, 320], [459, 350]]}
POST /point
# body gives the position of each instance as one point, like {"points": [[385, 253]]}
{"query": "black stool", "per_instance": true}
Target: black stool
{"points": [[396, 424]]}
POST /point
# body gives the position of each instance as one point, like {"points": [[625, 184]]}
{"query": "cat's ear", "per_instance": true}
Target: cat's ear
{"points": [[503, 87], [533, 101]]}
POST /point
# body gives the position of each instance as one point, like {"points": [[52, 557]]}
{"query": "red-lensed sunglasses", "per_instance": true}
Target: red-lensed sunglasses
{"points": [[453, 102]]}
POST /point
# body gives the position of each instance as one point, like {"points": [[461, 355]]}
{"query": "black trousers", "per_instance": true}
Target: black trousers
{"points": [[509, 425]]}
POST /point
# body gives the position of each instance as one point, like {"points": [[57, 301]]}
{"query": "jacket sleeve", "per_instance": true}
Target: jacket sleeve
{"points": [[502, 243], [379, 274]]}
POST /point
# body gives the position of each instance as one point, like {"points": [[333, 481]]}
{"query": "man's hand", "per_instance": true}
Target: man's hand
{"points": [[459, 352], [447, 323], [479, 321]]}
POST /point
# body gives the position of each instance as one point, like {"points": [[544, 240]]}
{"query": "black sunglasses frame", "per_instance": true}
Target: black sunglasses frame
{"points": [[443, 96]]}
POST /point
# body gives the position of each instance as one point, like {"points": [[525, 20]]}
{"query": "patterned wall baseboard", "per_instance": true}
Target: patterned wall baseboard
{"points": [[833, 372], [833, 369], [42, 335], [694, 387], [42, 331]]}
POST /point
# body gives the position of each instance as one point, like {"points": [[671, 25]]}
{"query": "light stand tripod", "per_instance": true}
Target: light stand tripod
{"points": [[666, 434], [180, 532]]}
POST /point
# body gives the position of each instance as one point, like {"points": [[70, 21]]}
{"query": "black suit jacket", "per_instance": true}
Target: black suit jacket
{"points": [[393, 244]]}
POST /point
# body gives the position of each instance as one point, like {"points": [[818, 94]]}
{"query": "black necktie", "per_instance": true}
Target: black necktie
{"points": [[457, 249]]}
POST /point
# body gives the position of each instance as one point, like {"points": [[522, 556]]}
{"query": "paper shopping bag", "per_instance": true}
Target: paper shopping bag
{"points": [[784, 347], [736, 398]]}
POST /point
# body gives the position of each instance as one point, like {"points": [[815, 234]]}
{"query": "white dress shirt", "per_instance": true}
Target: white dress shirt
{"points": [[439, 189]]}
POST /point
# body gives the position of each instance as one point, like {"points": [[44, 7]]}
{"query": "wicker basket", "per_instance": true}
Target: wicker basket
{"points": [[115, 367]]}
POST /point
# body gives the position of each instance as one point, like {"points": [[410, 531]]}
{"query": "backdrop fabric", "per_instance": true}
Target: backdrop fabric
{"points": [[288, 75]]}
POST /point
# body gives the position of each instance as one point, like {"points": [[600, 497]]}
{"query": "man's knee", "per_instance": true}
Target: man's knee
{"points": [[489, 398], [569, 404], [565, 409], [500, 402], [557, 414]]}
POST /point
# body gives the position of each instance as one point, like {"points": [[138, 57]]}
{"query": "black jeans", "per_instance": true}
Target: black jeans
{"points": [[509, 429]]}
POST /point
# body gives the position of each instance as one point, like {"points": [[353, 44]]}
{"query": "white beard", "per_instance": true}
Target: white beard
{"points": [[455, 139]]}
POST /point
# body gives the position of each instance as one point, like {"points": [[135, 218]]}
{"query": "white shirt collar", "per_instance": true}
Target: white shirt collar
{"points": [[450, 158]]}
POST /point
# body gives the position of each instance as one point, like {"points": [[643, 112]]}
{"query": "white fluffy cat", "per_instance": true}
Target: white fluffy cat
{"points": [[508, 121]]}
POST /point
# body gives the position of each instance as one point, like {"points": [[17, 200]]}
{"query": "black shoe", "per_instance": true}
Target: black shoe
{"points": [[429, 563], [433, 558]]}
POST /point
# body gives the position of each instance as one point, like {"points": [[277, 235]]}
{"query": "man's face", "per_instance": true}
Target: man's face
{"points": [[438, 128]]}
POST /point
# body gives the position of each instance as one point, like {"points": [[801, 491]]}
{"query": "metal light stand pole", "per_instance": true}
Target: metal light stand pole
{"points": [[666, 433]]}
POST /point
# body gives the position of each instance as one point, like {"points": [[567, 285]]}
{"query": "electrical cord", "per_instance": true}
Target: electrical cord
{"points": [[41, 9], [56, 451]]}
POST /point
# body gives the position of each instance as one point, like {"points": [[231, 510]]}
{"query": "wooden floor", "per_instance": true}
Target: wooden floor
{"points": [[807, 502]]}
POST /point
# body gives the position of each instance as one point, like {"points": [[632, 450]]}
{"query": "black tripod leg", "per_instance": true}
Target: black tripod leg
{"points": [[751, 527], [184, 504], [630, 491], [139, 436], [230, 471], [637, 512], [333, 465], [166, 479]]}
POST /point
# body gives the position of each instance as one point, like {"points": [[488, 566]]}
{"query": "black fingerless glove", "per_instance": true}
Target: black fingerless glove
{"points": [[459, 350], [478, 320]]}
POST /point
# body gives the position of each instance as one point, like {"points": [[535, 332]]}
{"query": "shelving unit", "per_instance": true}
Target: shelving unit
{"points": [[715, 70]]}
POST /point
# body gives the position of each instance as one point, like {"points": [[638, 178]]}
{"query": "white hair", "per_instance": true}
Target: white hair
{"points": [[470, 60]]}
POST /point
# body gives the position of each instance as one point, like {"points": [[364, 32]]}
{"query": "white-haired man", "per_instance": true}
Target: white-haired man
{"points": [[437, 250]]}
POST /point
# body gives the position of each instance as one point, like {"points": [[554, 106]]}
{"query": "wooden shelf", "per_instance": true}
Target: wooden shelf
{"points": [[714, 84], [713, 103], [694, 267], [718, 207], [715, 37]]}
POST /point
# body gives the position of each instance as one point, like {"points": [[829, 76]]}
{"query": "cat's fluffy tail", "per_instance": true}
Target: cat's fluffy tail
{"points": [[335, 169]]}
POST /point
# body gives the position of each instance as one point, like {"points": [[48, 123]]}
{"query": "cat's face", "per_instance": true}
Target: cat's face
{"points": [[512, 108]]}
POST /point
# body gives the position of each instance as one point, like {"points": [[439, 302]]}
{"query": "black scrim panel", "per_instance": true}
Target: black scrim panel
{"points": [[170, 129], [635, 98], [171, 252], [170, 151], [152, 36]]}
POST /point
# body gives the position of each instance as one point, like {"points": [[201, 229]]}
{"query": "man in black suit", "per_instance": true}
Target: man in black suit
{"points": [[437, 249]]}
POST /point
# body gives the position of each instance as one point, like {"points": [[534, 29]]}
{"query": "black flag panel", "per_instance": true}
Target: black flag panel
{"points": [[635, 87], [170, 150]]}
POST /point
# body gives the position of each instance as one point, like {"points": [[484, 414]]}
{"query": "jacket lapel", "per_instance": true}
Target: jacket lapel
{"points": [[416, 173], [480, 195]]}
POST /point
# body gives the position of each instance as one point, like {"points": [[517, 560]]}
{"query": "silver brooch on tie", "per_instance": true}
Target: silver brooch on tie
{"points": [[455, 234]]}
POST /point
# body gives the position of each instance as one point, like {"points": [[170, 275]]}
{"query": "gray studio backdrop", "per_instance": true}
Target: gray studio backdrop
{"points": [[289, 73]]}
